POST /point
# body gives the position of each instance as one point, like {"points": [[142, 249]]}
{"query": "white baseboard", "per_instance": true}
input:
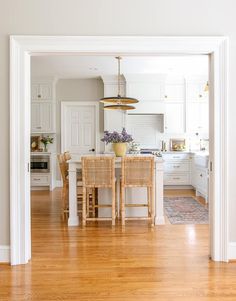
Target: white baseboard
{"points": [[4, 253], [232, 250]]}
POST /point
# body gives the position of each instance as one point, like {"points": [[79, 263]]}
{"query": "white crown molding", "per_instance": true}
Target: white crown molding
{"points": [[21, 47]]}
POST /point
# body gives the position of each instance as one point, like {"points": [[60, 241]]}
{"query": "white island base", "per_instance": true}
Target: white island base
{"points": [[134, 195]]}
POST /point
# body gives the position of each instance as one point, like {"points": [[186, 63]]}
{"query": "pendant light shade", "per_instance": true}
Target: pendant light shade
{"points": [[119, 107], [118, 102]]}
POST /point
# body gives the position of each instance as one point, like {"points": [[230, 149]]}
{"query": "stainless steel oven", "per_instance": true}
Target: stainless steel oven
{"points": [[40, 163]]}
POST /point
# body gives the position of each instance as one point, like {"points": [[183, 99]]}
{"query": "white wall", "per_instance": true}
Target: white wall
{"points": [[133, 17]]}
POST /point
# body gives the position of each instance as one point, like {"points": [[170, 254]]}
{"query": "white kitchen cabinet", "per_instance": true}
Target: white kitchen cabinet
{"points": [[177, 169], [40, 179], [197, 117], [199, 178], [174, 118], [41, 91], [42, 106], [42, 117], [174, 92], [195, 91]]}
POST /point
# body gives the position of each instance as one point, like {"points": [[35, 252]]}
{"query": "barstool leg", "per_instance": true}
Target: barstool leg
{"points": [[84, 207], [113, 205], [152, 191], [122, 201], [93, 201]]}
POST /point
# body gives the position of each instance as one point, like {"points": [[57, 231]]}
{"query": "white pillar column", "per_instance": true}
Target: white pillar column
{"points": [[159, 191]]}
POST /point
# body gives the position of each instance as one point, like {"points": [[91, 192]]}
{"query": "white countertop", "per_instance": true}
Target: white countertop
{"points": [[77, 158], [197, 153], [40, 153]]}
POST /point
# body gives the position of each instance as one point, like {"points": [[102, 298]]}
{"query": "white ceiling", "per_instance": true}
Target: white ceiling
{"points": [[74, 66]]}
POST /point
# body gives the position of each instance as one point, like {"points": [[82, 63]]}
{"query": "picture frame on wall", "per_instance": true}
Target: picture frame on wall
{"points": [[35, 143]]}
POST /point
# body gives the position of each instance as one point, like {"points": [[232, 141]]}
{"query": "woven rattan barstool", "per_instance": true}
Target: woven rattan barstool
{"points": [[63, 165], [99, 172], [137, 172]]}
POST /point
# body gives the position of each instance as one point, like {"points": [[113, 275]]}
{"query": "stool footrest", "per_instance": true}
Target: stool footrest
{"points": [[136, 205], [138, 218]]}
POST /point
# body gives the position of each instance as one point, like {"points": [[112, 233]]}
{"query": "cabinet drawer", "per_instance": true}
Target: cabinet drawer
{"points": [[40, 180], [174, 157], [176, 167], [176, 179]]}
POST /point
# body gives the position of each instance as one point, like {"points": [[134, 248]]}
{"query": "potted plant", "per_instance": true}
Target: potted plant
{"points": [[46, 140], [119, 141]]}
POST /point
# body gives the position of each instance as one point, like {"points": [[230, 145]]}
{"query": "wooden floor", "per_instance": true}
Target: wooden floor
{"points": [[99, 262]]}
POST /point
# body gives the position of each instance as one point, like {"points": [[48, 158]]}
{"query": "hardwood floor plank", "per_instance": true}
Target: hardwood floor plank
{"points": [[138, 262]]}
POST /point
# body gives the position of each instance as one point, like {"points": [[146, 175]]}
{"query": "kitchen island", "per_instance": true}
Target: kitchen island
{"points": [[104, 195]]}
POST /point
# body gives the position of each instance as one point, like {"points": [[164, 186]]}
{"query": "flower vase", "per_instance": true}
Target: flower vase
{"points": [[45, 148], [119, 149]]}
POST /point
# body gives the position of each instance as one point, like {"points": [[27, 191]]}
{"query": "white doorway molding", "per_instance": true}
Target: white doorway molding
{"points": [[22, 47]]}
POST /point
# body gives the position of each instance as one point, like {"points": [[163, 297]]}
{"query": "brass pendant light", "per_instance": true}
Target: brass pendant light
{"points": [[118, 102]]}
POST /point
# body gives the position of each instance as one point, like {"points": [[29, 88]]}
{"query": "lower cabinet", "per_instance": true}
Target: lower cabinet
{"points": [[200, 181], [39, 179], [182, 169], [177, 169]]}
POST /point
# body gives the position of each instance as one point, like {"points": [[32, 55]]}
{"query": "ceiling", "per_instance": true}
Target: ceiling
{"points": [[75, 66]]}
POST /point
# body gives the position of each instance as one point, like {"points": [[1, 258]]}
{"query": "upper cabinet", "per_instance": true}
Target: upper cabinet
{"points": [[41, 91], [174, 118], [174, 91], [197, 106], [145, 87], [195, 91], [42, 106]]}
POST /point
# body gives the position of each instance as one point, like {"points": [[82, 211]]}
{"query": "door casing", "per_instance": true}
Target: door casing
{"points": [[22, 47]]}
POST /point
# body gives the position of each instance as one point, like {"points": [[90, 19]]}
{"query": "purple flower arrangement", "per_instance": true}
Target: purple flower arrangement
{"points": [[116, 137]]}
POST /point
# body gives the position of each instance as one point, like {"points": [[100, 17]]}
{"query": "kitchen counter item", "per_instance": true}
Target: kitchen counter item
{"points": [[177, 144]]}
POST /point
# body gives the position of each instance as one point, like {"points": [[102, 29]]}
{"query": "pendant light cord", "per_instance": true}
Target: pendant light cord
{"points": [[118, 58]]}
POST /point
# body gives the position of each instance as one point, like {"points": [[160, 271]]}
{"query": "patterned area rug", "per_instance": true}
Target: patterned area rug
{"points": [[185, 210]]}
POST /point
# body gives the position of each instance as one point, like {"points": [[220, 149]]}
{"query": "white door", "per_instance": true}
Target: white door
{"points": [[78, 124]]}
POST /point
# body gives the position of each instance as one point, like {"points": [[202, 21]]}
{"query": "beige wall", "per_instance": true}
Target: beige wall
{"points": [[110, 17]]}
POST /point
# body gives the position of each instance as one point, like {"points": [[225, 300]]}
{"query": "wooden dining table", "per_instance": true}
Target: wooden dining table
{"points": [[75, 165]]}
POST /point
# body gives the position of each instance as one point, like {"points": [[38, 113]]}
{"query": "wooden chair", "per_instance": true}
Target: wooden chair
{"points": [[64, 166], [137, 172], [98, 172]]}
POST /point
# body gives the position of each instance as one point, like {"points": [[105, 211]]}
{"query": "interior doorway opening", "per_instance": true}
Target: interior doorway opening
{"points": [[216, 64]]}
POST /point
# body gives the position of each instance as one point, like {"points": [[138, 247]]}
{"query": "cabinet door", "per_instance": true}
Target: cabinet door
{"points": [[41, 117], [35, 91], [36, 125], [195, 91], [46, 117], [174, 118], [197, 117], [45, 91], [174, 92]]}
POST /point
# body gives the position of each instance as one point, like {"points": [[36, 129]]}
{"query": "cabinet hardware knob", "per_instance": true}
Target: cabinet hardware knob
{"points": [[176, 166], [200, 175], [176, 178], [92, 150], [166, 96], [200, 95]]}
